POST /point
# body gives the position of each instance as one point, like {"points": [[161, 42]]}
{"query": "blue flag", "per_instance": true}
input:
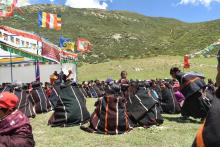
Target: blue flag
{"points": [[63, 41], [37, 71]]}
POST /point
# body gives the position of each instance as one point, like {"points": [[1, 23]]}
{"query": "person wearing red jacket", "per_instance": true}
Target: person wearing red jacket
{"points": [[15, 129]]}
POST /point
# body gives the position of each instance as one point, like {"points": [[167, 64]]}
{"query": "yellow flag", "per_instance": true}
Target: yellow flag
{"points": [[69, 46]]}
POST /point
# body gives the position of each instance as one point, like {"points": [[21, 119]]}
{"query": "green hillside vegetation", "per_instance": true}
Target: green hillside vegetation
{"points": [[121, 34]]}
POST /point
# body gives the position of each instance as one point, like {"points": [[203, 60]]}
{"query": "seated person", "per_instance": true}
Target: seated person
{"points": [[15, 129], [66, 78], [70, 74], [54, 77], [47, 89]]}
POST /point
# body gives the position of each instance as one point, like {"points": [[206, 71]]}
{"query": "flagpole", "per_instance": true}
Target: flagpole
{"points": [[75, 51], [37, 67], [11, 67], [76, 71], [35, 70], [61, 34]]}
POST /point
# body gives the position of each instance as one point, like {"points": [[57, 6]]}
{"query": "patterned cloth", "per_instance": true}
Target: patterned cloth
{"points": [[109, 117], [70, 109], [192, 87], [169, 102], [189, 83], [144, 109], [15, 130]]}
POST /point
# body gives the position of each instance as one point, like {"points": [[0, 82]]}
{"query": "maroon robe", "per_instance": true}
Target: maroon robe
{"points": [[16, 131]]}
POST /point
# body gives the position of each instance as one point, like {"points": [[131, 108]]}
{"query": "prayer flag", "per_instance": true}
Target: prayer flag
{"points": [[83, 45], [7, 8], [48, 20]]}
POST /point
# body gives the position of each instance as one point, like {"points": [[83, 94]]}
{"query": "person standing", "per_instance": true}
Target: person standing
{"points": [[123, 79], [124, 84]]}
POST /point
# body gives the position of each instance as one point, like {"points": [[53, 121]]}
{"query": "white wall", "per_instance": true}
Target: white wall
{"points": [[27, 73]]}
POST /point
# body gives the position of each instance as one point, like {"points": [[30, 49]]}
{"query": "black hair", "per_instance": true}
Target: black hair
{"points": [[174, 70], [4, 110], [124, 72]]}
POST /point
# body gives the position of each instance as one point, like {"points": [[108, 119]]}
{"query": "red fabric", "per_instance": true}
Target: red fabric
{"points": [[48, 92], [186, 62], [8, 100], [50, 51], [16, 131], [48, 20], [69, 55]]}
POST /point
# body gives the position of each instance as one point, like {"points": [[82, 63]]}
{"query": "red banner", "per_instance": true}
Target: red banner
{"points": [[50, 51], [69, 55]]}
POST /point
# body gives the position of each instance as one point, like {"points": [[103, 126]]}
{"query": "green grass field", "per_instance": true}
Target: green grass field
{"points": [[150, 68], [172, 133]]}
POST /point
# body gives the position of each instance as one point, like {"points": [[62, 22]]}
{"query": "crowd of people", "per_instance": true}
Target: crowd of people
{"points": [[186, 93], [61, 76]]}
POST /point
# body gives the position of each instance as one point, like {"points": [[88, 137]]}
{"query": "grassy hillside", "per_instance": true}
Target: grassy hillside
{"points": [[121, 34]]}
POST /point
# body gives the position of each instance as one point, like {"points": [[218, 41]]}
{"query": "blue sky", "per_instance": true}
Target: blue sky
{"points": [[184, 10]]}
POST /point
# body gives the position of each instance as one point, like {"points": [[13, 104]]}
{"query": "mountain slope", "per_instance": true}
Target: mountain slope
{"points": [[121, 34]]}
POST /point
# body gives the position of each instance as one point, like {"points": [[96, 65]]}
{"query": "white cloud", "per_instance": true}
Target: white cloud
{"points": [[23, 3], [100, 4], [196, 2]]}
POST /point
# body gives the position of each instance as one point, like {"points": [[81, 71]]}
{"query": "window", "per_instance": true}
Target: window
{"points": [[17, 41], [12, 39], [34, 46], [27, 44], [5, 37], [22, 43]]}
